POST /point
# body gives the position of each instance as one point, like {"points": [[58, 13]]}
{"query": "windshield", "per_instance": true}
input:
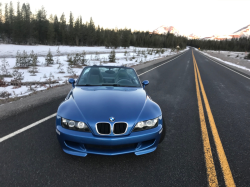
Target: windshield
{"points": [[108, 76]]}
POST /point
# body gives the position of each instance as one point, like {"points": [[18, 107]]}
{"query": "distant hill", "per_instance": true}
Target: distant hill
{"points": [[165, 29], [243, 32], [171, 29]]}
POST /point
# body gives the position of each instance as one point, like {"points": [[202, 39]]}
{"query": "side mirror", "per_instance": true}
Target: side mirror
{"points": [[72, 81], [145, 83]]}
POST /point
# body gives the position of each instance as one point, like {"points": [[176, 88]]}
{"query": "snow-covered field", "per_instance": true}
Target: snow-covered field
{"points": [[53, 71], [9, 50], [232, 54]]}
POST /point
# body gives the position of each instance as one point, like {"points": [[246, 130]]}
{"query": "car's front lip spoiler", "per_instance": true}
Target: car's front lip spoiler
{"points": [[89, 138]]}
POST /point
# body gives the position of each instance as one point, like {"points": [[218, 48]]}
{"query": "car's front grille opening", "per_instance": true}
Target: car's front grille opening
{"points": [[103, 128], [120, 128], [110, 148]]}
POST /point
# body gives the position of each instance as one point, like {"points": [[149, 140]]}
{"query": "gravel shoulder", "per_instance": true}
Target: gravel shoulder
{"points": [[224, 56], [42, 97]]}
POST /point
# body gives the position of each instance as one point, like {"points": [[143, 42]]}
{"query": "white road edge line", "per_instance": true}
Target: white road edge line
{"points": [[26, 128], [161, 64], [225, 66], [53, 115]]}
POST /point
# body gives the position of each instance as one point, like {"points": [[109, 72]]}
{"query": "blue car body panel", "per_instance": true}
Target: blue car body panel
{"points": [[97, 104]]}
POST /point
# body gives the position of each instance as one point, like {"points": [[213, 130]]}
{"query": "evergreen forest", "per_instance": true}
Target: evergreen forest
{"points": [[20, 26]]}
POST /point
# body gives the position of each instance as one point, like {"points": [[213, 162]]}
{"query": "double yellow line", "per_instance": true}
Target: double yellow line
{"points": [[211, 172]]}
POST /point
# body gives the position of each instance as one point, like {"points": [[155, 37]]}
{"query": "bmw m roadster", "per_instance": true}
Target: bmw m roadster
{"points": [[108, 112]]}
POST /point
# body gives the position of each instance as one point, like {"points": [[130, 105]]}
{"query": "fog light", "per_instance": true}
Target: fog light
{"points": [[71, 123]]}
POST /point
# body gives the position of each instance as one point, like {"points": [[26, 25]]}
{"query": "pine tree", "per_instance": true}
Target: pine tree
{"points": [[11, 18], [23, 59], [26, 23], [115, 39], [81, 31], [49, 58], [4, 68], [71, 29], [112, 56], [58, 51], [83, 60], [60, 68], [98, 36], [18, 26], [77, 31], [63, 30], [1, 20], [6, 22], [91, 32], [51, 33], [17, 77], [34, 58], [42, 26], [56, 30], [126, 38]]}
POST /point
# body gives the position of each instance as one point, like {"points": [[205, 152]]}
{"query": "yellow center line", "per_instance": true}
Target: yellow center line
{"points": [[211, 173], [228, 177]]}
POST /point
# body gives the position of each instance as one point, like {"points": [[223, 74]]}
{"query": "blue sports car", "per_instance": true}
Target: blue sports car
{"points": [[108, 112]]}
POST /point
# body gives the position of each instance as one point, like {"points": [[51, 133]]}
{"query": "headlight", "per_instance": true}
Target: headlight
{"points": [[74, 125], [144, 125]]}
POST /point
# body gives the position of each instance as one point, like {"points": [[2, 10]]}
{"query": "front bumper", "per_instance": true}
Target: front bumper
{"points": [[81, 143]]}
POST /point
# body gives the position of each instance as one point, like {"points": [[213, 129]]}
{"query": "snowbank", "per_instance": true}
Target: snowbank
{"points": [[226, 62]]}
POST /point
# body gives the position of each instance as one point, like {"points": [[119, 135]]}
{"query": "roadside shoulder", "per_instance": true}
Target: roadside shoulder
{"points": [[229, 64], [34, 100]]}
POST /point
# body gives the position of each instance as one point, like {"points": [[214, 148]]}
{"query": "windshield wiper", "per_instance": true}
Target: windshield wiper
{"points": [[89, 85], [127, 86], [111, 84], [118, 85]]}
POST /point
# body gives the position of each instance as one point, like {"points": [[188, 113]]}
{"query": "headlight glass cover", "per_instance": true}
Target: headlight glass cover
{"points": [[74, 125], [144, 125]]}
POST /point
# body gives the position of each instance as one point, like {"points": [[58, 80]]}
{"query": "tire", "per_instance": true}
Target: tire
{"points": [[163, 133]]}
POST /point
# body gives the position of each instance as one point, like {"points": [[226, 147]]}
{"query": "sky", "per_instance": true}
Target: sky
{"points": [[201, 17]]}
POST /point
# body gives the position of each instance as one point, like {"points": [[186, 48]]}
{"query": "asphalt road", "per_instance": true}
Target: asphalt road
{"points": [[34, 157]]}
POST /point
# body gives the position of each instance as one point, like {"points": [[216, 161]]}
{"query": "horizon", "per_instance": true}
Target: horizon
{"points": [[215, 19]]}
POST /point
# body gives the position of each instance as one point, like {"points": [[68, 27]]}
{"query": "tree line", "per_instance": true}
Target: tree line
{"points": [[21, 26], [234, 44]]}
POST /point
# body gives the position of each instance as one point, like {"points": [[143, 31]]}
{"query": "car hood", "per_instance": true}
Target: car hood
{"points": [[98, 104]]}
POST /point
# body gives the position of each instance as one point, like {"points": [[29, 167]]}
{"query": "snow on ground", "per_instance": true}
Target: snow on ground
{"points": [[232, 54], [44, 72], [10, 50], [226, 62]]}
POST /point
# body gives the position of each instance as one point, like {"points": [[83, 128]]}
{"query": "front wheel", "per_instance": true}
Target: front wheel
{"points": [[163, 133]]}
